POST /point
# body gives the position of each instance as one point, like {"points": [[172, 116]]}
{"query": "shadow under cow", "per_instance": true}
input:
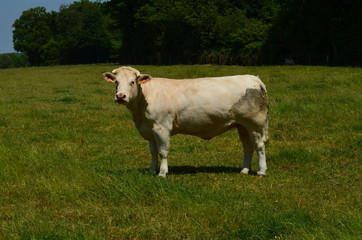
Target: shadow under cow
{"points": [[185, 170]]}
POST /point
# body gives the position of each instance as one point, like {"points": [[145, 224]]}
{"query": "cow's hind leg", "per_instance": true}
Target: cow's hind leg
{"points": [[154, 153], [258, 140], [248, 149], [162, 137]]}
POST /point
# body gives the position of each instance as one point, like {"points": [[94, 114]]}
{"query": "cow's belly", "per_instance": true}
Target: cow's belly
{"points": [[202, 124], [208, 132]]}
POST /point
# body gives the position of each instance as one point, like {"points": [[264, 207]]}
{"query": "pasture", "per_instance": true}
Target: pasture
{"points": [[73, 166]]}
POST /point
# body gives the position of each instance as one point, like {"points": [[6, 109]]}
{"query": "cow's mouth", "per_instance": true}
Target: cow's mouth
{"points": [[120, 101]]}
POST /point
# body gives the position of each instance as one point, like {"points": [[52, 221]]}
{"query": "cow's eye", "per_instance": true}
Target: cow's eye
{"points": [[132, 83]]}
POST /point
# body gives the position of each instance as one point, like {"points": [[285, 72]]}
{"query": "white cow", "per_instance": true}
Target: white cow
{"points": [[203, 107]]}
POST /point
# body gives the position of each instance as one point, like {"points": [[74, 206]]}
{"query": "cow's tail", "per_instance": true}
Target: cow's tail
{"points": [[266, 123], [266, 128]]}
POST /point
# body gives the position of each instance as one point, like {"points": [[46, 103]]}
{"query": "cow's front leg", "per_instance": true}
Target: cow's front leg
{"points": [[154, 153], [162, 137]]}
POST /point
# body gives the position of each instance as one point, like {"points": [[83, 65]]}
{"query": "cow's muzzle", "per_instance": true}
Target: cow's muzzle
{"points": [[120, 98]]}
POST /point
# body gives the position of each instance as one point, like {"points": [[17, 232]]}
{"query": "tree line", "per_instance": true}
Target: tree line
{"points": [[13, 60], [244, 32]]}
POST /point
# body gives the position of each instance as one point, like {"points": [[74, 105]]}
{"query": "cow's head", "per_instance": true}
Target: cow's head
{"points": [[127, 81]]}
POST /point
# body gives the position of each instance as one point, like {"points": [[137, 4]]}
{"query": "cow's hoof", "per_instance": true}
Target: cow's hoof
{"points": [[261, 174], [245, 171], [163, 175]]}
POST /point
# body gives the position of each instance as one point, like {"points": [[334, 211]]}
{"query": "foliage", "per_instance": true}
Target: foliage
{"points": [[76, 34], [13, 60], [195, 29], [72, 165], [31, 34], [328, 28], [245, 32], [83, 33]]}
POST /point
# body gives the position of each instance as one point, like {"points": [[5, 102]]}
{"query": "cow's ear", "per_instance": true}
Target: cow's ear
{"points": [[109, 77], [143, 78]]}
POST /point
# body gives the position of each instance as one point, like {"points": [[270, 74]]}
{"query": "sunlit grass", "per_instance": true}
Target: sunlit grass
{"points": [[72, 165]]}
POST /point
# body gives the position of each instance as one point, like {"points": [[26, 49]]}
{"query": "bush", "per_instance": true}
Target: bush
{"points": [[13, 60]]}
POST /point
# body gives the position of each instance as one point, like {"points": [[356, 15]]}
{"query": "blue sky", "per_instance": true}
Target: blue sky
{"points": [[10, 10]]}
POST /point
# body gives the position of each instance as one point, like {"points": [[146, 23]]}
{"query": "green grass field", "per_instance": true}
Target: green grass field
{"points": [[72, 165]]}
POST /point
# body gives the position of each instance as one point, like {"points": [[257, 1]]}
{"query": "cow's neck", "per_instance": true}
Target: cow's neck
{"points": [[138, 108]]}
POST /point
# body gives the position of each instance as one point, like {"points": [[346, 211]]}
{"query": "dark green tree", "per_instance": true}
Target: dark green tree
{"points": [[193, 31], [126, 32], [83, 34], [317, 32], [13, 60], [78, 33], [31, 33]]}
